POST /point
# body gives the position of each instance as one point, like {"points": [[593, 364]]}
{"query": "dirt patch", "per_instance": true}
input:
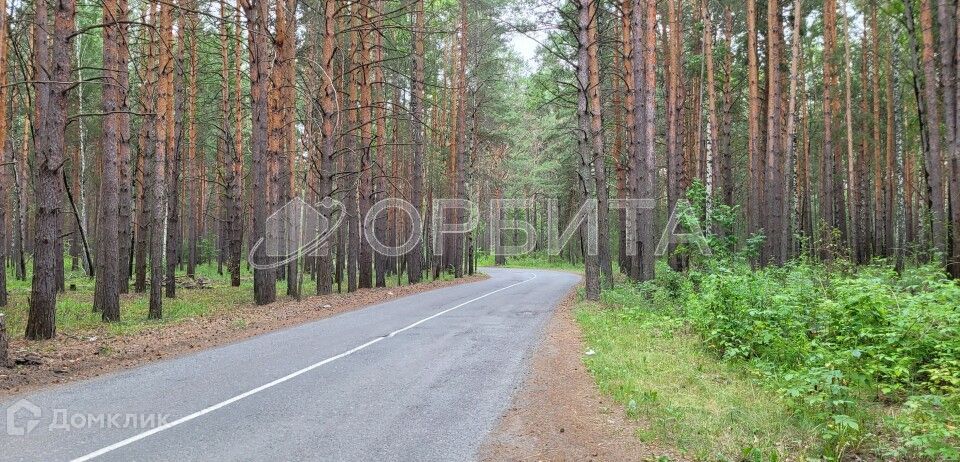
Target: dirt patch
{"points": [[558, 413], [68, 358]]}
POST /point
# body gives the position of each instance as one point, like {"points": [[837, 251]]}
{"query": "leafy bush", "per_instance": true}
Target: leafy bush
{"points": [[841, 344]]}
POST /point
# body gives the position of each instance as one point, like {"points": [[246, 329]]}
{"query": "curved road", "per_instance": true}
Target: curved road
{"points": [[425, 377]]}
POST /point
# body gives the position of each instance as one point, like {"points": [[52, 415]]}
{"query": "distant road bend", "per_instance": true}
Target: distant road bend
{"points": [[423, 377]]}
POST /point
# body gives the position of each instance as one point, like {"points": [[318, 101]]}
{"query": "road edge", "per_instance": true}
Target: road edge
{"points": [[557, 412], [69, 359]]}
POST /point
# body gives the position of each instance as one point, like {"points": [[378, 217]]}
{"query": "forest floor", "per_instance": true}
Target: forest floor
{"points": [[85, 352], [559, 413]]}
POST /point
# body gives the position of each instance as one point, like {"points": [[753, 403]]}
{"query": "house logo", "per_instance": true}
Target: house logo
{"points": [[22, 417], [295, 230]]}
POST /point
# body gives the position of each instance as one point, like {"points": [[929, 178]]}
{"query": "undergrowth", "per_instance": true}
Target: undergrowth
{"points": [[867, 358], [872, 355]]}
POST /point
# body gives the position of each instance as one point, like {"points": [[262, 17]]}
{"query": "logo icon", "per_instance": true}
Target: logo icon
{"points": [[297, 229], [22, 417]]}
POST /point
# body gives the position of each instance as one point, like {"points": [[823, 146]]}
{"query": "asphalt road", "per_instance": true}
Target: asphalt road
{"points": [[420, 378]]}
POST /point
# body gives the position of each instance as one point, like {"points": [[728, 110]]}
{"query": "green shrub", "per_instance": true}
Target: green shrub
{"points": [[839, 343]]}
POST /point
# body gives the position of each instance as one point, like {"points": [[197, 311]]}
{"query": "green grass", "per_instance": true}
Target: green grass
{"points": [[828, 362], [652, 363], [75, 314], [75, 307], [532, 261]]}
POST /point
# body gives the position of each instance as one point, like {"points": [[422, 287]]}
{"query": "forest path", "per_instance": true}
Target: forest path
{"points": [[424, 377]]}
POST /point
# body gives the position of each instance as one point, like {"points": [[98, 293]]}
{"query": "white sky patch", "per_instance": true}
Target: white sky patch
{"points": [[526, 47]]}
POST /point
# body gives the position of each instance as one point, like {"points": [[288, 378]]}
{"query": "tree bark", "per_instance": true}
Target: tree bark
{"points": [[174, 159], [713, 128], [827, 167], [858, 180], [106, 298], [6, 151], [791, 214], [644, 25], [725, 165], [195, 163], [330, 116], [585, 144], [235, 182], [256, 11], [125, 212], [934, 155], [674, 119], [879, 207], [51, 90], [162, 151], [890, 177], [755, 157], [773, 205], [595, 108], [463, 147], [954, 266], [417, 90]]}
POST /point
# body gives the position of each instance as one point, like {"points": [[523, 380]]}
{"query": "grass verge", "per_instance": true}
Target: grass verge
{"points": [[801, 362], [75, 315], [651, 362], [532, 261]]}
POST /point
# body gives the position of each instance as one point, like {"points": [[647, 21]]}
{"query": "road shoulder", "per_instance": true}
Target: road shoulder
{"points": [[558, 413]]}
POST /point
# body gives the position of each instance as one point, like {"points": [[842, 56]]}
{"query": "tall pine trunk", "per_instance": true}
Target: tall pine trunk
{"points": [[934, 155], [51, 87], [415, 257], [256, 11], [596, 134], [162, 151], [106, 298], [585, 144], [827, 167], [125, 208]]}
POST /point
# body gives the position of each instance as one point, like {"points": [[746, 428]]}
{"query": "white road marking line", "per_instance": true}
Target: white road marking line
{"points": [[254, 391]]}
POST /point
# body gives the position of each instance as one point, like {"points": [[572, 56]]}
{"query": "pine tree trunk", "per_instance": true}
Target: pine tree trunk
{"points": [[414, 258], [380, 114], [235, 184], [330, 116], [627, 158], [827, 167], [755, 157], [934, 155], [106, 298], [195, 204], [859, 182], [352, 164], [774, 185], [174, 158], [585, 144], [596, 134], [879, 206], [644, 25], [954, 267], [725, 155], [256, 11], [163, 150], [144, 194], [125, 225], [284, 73], [890, 176], [463, 149], [51, 99], [6, 151], [674, 119]]}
